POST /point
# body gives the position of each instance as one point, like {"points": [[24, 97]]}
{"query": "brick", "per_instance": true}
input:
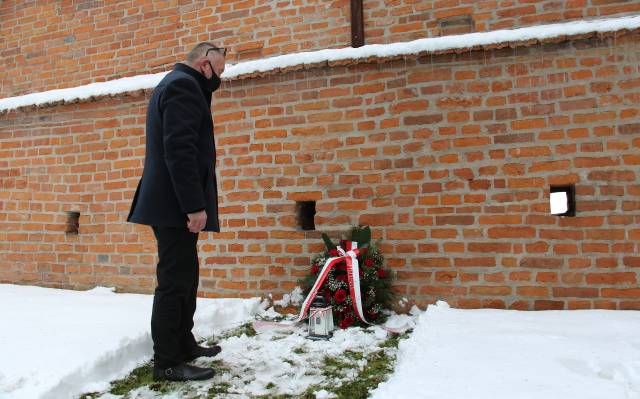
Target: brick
{"points": [[422, 119], [475, 262], [489, 247], [454, 220], [631, 261], [612, 278], [500, 219], [537, 247], [393, 234], [592, 162], [620, 292], [491, 290], [431, 262], [542, 262], [612, 175], [577, 292], [511, 232], [546, 277], [548, 305], [532, 291]]}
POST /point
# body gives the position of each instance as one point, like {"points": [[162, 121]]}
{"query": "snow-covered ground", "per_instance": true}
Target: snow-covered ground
{"points": [[274, 363], [57, 343], [498, 354]]}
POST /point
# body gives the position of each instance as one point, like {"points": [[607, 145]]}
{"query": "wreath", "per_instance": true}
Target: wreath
{"points": [[375, 280]]}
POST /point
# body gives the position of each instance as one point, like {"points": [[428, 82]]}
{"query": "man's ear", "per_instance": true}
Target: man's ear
{"points": [[203, 66]]}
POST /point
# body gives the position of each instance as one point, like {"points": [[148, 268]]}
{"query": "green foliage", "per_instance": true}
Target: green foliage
{"points": [[378, 366], [361, 234], [327, 241], [245, 329], [139, 377], [218, 389]]}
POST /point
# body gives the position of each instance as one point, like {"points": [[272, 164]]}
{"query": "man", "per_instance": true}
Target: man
{"points": [[177, 196]]}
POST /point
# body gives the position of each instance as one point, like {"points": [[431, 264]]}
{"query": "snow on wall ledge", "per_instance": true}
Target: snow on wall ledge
{"points": [[470, 41]]}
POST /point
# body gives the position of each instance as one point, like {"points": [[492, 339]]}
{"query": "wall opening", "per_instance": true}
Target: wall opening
{"points": [[306, 212], [73, 223], [562, 200]]}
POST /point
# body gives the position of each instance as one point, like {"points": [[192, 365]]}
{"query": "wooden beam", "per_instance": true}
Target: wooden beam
{"points": [[357, 24]]}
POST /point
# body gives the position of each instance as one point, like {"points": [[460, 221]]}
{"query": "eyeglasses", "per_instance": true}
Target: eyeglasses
{"points": [[220, 50]]}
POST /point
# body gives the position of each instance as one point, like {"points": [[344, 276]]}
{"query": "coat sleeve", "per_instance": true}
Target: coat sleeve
{"points": [[181, 118]]}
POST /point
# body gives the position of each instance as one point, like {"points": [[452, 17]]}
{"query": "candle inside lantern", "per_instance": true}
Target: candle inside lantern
{"points": [[320, 319]]}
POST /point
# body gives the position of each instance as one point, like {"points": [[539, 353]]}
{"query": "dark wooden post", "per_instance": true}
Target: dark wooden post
{"points": [[357, 24]]}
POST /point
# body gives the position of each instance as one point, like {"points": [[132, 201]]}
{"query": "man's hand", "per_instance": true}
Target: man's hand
{"points": [[197, 221]]}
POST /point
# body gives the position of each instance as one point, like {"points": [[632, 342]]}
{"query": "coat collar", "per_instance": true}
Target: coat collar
{"points": [[200, 78]]}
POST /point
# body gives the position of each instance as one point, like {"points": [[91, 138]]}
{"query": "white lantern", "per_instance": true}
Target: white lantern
{"points": [[320, 319]]}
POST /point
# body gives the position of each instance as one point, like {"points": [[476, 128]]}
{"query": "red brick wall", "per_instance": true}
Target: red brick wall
{"points": [[47, 45], [449, 158], [403, 20]]}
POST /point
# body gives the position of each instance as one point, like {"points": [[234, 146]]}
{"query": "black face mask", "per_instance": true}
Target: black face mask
{"points": [[214, 81]]}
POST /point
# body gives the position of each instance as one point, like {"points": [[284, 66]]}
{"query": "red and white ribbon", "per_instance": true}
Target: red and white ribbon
{"points": [[350, 257]]}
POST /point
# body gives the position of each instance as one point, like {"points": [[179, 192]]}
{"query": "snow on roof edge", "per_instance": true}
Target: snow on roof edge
{"points": [[426, 45]]}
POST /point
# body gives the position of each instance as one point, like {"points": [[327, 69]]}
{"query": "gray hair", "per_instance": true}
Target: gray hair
{"points": [[199, 50]]}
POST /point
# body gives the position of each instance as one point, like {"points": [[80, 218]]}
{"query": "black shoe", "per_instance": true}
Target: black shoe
{"points": [[182, 372], [202, 351]]}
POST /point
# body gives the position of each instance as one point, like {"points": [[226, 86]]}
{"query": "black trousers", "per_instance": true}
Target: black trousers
{"points": [[174, 302]]}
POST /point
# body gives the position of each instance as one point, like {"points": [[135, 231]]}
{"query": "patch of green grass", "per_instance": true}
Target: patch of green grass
{"points": [[334, 368], [217, 389], [140, 377], [308, 394], [217, 366], [246, 329], [394, 340], [354, 355], [90, 395], [378, 366]]}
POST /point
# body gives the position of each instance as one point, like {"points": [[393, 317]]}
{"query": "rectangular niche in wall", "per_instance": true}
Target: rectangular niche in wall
{"points": [[562, 200], [305, 215], [73, 223]]}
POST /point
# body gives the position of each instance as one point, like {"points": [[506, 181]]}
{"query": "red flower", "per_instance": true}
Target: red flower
{"points": [[342, 277], [333, 252], [372, 314], [340, 296], [341, 266], [368, 262], [346, 322], [315, 269], [343, 244], [363, 250], [381, 273]]}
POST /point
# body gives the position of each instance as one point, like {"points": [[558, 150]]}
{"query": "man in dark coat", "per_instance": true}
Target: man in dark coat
{"points": [[177, 196]]}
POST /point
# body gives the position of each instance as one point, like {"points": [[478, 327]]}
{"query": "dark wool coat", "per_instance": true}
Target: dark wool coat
{"points": [[179, 174]]}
